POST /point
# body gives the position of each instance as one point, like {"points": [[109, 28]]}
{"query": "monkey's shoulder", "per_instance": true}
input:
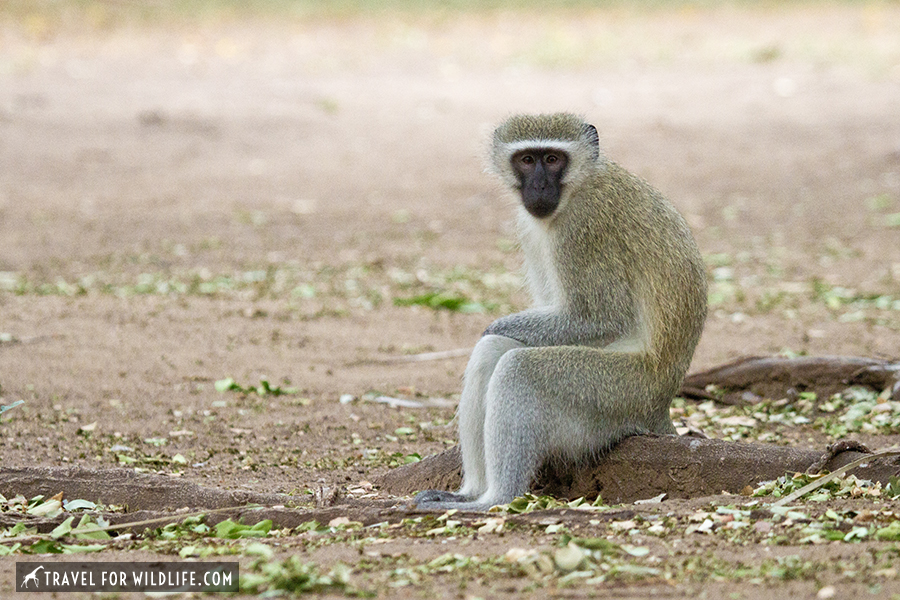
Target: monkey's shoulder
{"points": [[613, 184]]}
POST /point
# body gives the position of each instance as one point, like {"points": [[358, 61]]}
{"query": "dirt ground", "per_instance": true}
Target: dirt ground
{"points": [[185, 202]]}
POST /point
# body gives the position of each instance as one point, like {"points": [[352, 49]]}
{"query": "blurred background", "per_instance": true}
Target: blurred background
{"points": [[153, 146]]}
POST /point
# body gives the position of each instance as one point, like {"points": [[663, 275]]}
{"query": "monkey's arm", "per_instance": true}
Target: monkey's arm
{"points": [[552, 327]]}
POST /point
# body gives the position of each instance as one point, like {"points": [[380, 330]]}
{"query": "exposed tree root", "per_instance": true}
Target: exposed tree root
{"points": [[168, 500], [645, 466], [639, 467], [750, 379], [124, 487]]}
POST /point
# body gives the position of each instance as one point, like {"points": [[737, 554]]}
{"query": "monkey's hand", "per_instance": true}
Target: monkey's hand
{"points": [[548, 327]]}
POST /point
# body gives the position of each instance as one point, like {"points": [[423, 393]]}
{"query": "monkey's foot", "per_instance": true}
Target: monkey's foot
{"points": [[438, 500], [464, 505], [429, 496]]}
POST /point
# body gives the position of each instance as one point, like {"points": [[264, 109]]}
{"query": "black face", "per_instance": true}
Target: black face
{"points": [[540, 173]]}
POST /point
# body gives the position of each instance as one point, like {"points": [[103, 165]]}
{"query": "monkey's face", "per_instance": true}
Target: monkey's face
{"points": [[540, 173]]}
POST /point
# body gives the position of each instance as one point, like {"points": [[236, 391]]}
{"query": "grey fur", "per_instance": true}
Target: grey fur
{"points": [[620, 301]]}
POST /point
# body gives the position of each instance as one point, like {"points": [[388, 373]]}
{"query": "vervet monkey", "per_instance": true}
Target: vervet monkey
{"points": [[619, 291]]}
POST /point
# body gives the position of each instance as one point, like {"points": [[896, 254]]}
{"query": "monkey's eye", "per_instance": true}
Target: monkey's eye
{"points": [[527, 159], [551, 158]]}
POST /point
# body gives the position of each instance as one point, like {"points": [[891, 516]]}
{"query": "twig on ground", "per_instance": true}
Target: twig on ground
{"points": [[894, 451], [414, 358]]}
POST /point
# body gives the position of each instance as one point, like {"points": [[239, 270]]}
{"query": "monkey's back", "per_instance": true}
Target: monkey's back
{"points": [[635, 239]]}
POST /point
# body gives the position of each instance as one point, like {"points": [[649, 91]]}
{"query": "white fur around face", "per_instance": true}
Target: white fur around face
{"points": [[540, 255], [580, 155]]}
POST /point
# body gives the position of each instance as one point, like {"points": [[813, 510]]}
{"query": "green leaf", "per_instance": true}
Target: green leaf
{"points": [[64, 528], [293, 575], [602, 544], [21, 528], [259, 549], [230, 530], [6, 407], [73, 505], [7, 550], [261, 529], [224, 385], [264, 388], [76, 549], [88, 530], [636, 570], [857, 533], [636, 550], [891, 533], [879, 202], [45, 547], [569, 557], [893, 487], [47, 508], [227, 529], [252, 582], [442, 300]]}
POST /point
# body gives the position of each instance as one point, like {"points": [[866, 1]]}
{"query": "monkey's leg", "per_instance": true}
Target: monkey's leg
{"points": [[487, 353], [560, 401]]}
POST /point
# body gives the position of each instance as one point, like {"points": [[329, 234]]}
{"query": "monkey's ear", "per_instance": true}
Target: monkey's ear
{"points": [[591, 135]]}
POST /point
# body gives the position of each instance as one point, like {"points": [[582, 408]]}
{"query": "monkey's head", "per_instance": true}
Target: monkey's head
{"points": [[540, 155]]}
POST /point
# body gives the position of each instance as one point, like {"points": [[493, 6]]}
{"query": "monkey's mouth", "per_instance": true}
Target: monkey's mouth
{"points": [[541, 211], [540, 204]]}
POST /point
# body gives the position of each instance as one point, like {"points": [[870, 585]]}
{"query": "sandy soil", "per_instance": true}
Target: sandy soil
{"points": [[187, 203]]}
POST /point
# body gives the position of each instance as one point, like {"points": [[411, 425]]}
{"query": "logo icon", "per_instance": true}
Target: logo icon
{"points": [[32, 577]]}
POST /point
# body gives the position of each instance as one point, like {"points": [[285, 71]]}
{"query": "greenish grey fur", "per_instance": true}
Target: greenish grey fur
{"points": [[620, 301]]}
